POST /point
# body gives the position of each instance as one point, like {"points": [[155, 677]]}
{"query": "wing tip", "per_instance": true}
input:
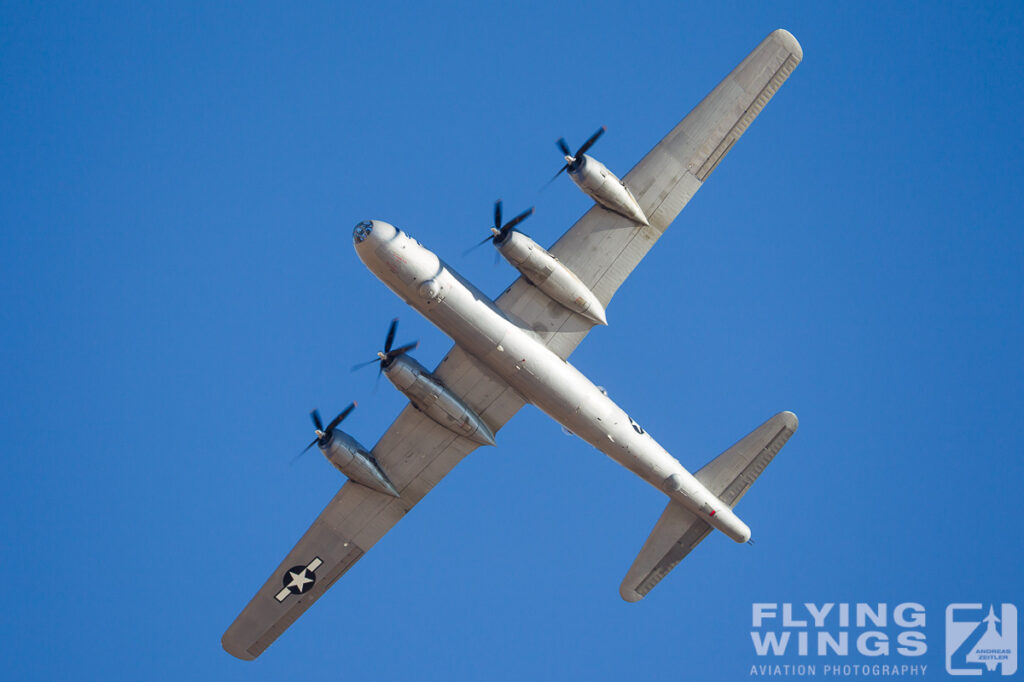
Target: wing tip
{"points": [[787, 39], [789, 419], [235, 648], [629, 594]]}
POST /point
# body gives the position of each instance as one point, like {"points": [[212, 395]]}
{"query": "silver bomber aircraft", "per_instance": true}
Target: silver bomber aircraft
{"points": [[513, 350]]}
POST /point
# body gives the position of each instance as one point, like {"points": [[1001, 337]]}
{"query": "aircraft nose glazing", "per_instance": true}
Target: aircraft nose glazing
{"points": [[362, 231]]}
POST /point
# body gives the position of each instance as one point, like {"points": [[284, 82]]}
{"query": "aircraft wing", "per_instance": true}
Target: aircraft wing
{"points": [[602, 248], [416, 453]]}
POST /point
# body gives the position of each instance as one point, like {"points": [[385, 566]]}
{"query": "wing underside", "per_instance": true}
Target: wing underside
{"points": [[416, 453], [603, 248]]}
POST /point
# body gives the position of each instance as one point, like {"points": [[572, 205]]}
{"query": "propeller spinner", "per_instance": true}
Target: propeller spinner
{"points": [[324, 434], [499, 231], [385, 356], [572, 161]]}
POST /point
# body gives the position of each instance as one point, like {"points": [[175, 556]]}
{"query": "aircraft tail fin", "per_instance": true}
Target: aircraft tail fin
{"points": [[728, 476]]}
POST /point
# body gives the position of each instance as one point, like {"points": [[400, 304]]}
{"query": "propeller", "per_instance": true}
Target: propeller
{"points": [[388, 354], [499, 231], [323, 434], [573, 160]]}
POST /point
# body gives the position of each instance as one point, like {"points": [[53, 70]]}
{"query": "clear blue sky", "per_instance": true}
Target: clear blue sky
{"points": [[179, 184]]}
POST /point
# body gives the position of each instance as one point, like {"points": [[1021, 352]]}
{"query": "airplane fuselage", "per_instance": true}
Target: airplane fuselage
{"points": [[521, 359]]}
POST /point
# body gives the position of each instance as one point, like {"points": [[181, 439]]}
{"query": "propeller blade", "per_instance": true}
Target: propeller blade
{"points": [[497, 214], [477, 246], [515, 221], [304, 451], [564, 146], [403, 350], [391, 335], [554, 177], [315, 414], [589, 143], [364, 364], [340, 418]]}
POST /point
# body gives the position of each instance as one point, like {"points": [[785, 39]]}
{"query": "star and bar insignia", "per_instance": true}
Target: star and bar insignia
{"points": [[298, 579]]}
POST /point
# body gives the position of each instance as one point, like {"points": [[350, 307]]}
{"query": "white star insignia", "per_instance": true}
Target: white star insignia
{"points": [[299, 579]]}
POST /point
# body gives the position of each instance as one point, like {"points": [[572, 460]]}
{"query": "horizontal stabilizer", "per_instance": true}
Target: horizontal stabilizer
{"points": [[677, 532], [731, 474], [728, 476]]}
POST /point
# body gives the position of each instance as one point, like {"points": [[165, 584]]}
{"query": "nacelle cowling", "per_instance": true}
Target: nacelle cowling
{"points": [[550, 275], [436, 400], [352, 459], [601, 185]]}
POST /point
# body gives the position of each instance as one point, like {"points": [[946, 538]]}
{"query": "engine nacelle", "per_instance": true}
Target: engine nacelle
{"points": [[436, 400], [601, 185], [550, 275], [352, 459]]}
